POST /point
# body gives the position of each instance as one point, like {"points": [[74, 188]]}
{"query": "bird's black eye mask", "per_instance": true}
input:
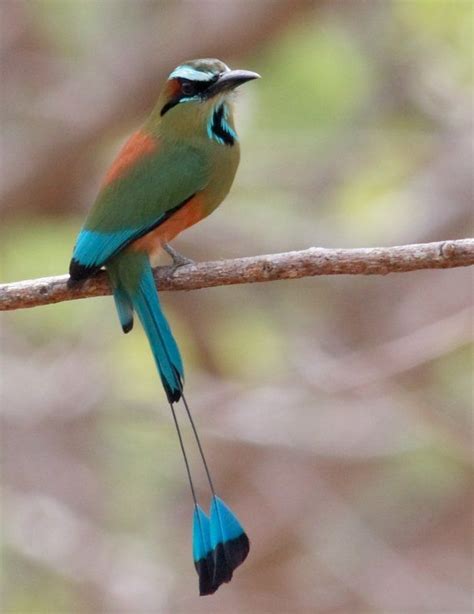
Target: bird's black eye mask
{"points": [[190, 89], [187, 89]]}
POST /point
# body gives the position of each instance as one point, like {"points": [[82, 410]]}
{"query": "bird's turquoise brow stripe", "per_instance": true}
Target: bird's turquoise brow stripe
{"points": [[188, 72]]}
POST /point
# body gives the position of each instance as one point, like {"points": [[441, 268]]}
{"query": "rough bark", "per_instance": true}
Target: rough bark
{"points": [[290, 265]]}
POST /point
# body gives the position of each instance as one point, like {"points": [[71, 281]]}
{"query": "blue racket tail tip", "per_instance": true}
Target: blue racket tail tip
{"points": [[229, 544]]}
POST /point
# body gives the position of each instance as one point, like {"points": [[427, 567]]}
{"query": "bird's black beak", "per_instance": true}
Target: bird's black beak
{"points": [[230, 80]]}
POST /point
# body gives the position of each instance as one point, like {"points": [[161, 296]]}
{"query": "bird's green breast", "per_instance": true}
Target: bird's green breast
{"points": [[209, 131], [159, 170], [224, 161]]}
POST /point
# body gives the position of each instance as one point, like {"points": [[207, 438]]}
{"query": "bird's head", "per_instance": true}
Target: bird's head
{"points": [[195, 91]]}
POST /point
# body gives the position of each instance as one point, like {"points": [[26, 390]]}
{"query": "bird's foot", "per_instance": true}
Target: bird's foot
{"points": [[178, 259]]}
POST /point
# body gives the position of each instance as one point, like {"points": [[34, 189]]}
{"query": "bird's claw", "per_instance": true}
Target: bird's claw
{"points": [[178, 259]]}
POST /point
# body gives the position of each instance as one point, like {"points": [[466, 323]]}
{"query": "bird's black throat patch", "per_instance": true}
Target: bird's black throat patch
{"points": [[220, 129]]}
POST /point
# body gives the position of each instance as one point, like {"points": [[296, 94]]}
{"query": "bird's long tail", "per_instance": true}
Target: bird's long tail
{"points": [[220, 543], [134, 289]]}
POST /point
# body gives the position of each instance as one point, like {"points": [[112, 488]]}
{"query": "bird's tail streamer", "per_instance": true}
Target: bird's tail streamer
{"points": [[220, 543], [226, 543]]}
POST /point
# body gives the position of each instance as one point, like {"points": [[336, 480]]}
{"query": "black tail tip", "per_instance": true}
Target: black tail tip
{"points": [[228, 556], [219, 565], [174, 393], [78, 272], [128, 326], [204, 568]]}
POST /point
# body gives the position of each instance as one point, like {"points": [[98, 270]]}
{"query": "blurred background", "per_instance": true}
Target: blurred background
{"points": [[335, 411]]}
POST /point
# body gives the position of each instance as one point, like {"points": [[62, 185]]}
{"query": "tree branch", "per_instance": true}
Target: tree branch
{"points": [[289, 265]]}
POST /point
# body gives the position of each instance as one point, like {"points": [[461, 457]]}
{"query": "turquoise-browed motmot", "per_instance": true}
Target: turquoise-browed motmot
{"points": [[169, 175]]}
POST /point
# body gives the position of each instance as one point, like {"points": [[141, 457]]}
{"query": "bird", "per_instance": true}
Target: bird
{"points": [[171, 173]]}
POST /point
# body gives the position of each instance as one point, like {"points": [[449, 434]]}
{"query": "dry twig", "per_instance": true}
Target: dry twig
{"points": [[289, 265]]}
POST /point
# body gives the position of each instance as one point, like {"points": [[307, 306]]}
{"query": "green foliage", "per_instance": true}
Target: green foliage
{"points": [[41, 248], [248, 345], [313, 80], [453, 377], [75, 24], [366, 204], [132, 450], [44, 588], [413, 491], [443, 25]]}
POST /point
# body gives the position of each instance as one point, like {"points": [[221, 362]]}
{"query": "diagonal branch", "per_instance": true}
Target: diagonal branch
{"points": [[290, 265]]}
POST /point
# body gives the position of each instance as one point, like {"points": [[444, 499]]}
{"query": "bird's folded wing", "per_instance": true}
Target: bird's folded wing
{"points": [[146, 184]]}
